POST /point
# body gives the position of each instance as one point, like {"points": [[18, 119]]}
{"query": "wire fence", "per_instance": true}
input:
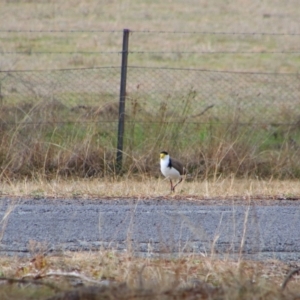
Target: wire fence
{"points": [[259, 97], [68, 105]]}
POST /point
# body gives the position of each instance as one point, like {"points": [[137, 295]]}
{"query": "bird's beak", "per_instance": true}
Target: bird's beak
{"points": [[162, 155]]}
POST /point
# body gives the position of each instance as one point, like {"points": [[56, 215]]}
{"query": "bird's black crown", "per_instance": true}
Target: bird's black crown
{"points": [[164, 152]]}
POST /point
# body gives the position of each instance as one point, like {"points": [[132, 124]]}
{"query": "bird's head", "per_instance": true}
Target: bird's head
{"points": [[163, 154]]}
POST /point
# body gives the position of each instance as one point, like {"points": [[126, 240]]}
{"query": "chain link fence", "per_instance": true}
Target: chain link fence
{"points": [[70, 117], [58, 99], [258, 97]]}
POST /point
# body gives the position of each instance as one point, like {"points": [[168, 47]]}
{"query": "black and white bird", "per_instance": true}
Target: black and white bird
{"points": [[171, 169]]}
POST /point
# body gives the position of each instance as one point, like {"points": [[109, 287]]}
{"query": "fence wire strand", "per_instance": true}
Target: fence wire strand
{"points": [[154, 32]]}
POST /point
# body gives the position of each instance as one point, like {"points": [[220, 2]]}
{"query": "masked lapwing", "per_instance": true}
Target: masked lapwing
{"points": [[171, 169]]}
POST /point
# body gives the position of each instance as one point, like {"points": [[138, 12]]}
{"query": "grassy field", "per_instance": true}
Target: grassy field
{"points": [[237, 133], [218, 123], [189, 16]]}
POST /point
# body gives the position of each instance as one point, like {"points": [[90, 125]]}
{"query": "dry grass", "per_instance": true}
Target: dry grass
{"points": [[147, 187], [48, 139], [107, 274], [111, 275]]}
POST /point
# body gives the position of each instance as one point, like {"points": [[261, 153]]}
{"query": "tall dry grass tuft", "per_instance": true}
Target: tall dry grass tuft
{"points": [[111, 275], [47, 138], [217, 143]]}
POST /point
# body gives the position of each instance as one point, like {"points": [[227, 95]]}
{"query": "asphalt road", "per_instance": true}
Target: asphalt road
{"points": [[256, 230]]}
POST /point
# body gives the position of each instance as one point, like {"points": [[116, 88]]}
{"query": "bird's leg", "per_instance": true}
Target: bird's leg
{"points": [[176, 184], [172, 188]]}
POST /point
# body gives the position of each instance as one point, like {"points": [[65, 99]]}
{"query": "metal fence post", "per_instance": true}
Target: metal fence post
{"points": [[122, 100]]}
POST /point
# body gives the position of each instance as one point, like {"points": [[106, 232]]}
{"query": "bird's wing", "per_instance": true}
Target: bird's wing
{"points": [[178, 165]]}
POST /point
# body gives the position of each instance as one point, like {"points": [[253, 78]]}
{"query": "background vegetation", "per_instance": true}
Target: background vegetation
{"points": [[221, 122], [59, 85]]}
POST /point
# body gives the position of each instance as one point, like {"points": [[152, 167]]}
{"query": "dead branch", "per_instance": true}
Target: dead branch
{"points": [[288, 277], [28, 281], [68, 274]]}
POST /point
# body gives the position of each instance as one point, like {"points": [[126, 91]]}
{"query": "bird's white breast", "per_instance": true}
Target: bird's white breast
{"points": [[168, 172]]}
